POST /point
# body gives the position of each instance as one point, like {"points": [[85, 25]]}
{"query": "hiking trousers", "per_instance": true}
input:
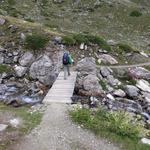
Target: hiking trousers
{"points": [[66, 71]]}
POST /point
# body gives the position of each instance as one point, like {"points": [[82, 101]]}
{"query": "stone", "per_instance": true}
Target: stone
{"points": [[2, 21], [87, 66], [143, 85], [105, 71], [112, 81], [58, 40], [3, 127], [91, 84], [110, 97], [139, 73], [22, 36], [1, 58], [82, 46], [119, 93], [107, 59], [145, 141], [112, 42], [26, 59], [20, 71], [131, 91], [14, 122], [43, 70], [58, 1]]}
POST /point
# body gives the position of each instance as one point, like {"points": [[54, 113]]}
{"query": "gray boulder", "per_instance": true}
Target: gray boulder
{"points": [[119, 93], [139, 72], [43, 70], [131, 91], [91, 84], [87, 66], [112, 81], [26, 59], [143, 85], [105, 58], [20, 71], [2, 21], [105, 71]]}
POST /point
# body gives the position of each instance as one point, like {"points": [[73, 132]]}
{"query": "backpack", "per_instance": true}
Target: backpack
{"points": [[65, 59]]}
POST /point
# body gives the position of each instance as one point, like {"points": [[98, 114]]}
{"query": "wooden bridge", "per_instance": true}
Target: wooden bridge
{"points": [[62, 90]]}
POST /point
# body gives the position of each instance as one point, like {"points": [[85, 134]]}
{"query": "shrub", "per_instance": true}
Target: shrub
{"points": [[4, 68], [36, 41], [125, 48], [11, 2], [135, 13], [68, 40]]}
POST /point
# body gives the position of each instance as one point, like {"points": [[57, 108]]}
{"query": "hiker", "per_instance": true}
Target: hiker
{"points": [[67, 61]]}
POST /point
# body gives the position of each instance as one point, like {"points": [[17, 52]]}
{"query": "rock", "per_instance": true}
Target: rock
{"points": [[2, 21], [119, 93], [3, 127], [26, 59], [112, 42], [131, 91], [58, 1], [146, 95], [20, 71], [143, 85], [58, 40], [108, 59], [87, 66], [144, 54], [91, 84], [105, 71], [82, 46], [1, 58], [14, 122], [145, 141], [112, 81], [139, 73], [22, 36], [42, 70], [110, 97]]}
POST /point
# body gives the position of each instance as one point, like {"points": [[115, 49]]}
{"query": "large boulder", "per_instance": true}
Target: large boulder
{"points": [[87, 66], [42, 70], [132, 91], [139, 72], [91, 85], [26, 59]]}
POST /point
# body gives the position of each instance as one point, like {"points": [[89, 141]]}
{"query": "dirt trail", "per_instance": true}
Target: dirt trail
{"points": [[57, 132]]}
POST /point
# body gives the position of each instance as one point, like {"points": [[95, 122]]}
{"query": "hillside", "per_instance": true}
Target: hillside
{"points": [[109, 19]]}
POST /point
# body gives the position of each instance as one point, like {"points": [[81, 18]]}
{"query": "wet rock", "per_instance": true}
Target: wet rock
{"points": [[26, 59], [87, 66], [131, 91], [143, 85], [3, 127], [105, 71], [108, 59], [139, 73], [42, 70], [2, 21], [91, 85], [119, 93], [20, 71]]}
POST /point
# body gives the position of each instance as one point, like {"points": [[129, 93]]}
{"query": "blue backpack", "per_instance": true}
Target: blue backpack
{"points": [[65, 59]]}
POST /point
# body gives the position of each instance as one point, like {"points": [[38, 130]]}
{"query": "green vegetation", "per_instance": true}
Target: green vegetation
{"points": [[36, 41], [11, 2], [135, 13], [4, 68], [30, 121], [103, 84], [116, 126], [77, 39], [125, 48]]}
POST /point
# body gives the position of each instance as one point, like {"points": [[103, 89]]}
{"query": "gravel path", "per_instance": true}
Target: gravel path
{"points": [[57, 132]]}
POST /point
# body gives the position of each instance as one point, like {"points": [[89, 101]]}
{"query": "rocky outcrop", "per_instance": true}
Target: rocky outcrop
{"points": [[43, 70]]}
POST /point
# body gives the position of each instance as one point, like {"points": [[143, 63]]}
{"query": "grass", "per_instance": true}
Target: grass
{"points": [[30, 121], [117, 127], [135, 13], [36, 41], [4, 68]]}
